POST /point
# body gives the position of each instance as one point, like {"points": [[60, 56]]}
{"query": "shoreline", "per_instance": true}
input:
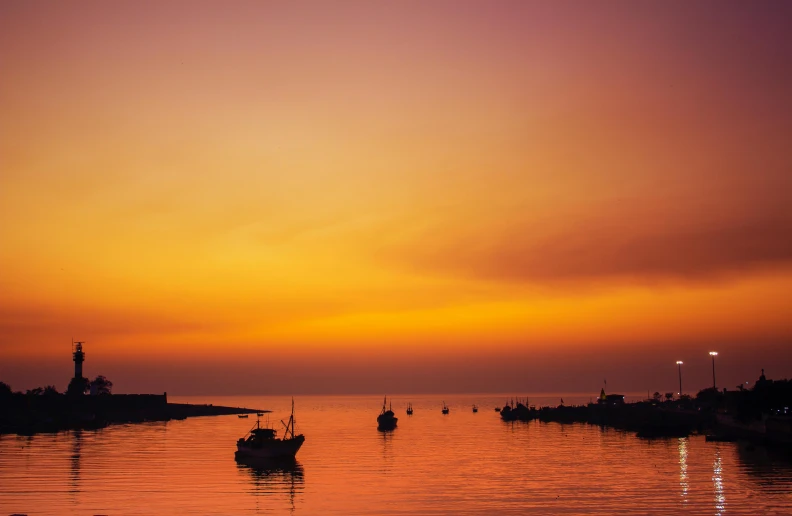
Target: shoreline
{"points": [[53, 414]]}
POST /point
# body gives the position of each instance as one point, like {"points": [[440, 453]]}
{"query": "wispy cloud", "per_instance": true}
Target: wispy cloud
{"points": [[591, 247]]}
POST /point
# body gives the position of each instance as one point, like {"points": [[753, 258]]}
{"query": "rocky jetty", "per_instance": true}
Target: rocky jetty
{"points": [[644, 418], [29, 414]]}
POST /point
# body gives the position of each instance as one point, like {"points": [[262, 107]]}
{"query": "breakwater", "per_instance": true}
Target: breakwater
{"points": [[23, 414], [643, 418]]}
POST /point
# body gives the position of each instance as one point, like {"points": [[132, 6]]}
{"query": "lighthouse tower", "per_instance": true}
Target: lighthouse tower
{"points": [[79, 357]]}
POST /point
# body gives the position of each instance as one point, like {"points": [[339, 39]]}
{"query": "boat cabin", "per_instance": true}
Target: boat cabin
{"points": [[262, 433], [258, 436]]}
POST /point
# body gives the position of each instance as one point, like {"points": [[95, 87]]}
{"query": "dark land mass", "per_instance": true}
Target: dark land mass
{"points": [[32, 413], [44, 409], [644, 418], [762, 414]]}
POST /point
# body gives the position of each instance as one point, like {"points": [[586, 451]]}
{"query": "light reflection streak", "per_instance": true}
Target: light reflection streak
{"points": [[717, 483], [683, 476]]}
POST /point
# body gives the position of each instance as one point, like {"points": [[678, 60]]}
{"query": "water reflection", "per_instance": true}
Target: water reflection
{"points": [[682, 446], [387, 451], [717, 483], [430, 465], [274, 476], [74, 461], [771, 468]]}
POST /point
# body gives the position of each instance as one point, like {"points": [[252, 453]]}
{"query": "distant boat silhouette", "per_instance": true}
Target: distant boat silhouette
{"points": [[445, 408], [386, 420], [242, 416], [409, 409], [475, 409], [497, 409]]}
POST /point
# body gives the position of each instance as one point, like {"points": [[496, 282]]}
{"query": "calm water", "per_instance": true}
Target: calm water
{"points": [[462, 463]]}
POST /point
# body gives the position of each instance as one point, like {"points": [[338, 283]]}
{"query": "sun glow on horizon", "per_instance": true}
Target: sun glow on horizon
{"points": [[402, 179]]}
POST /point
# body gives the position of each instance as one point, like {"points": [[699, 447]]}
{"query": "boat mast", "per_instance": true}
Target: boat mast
{"points": [[289, 434]]}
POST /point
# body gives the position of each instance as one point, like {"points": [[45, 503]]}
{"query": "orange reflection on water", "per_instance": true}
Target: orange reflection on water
{"points": [[432, 463]]}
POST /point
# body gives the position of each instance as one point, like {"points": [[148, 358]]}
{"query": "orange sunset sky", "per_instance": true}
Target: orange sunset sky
{"points": [[446, 196]]}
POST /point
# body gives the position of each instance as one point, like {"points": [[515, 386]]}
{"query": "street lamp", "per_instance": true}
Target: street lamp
{"points": [[713, 354], [679, 365]]}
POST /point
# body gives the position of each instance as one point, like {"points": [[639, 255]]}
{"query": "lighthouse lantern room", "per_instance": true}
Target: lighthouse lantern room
{"points": [[79, 357]]}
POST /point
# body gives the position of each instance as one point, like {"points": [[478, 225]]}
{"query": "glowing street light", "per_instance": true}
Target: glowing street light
{"points": [[679, 365], [713, 354]]}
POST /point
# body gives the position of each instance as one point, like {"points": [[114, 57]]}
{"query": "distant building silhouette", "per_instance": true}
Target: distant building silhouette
{"points": [[610, 399]]}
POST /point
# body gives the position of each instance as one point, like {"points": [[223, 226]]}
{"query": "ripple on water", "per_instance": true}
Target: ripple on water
{"points": [[460, 463]]}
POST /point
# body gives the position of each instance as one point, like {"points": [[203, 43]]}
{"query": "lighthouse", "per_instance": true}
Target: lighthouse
{"points": [[79, 357]]}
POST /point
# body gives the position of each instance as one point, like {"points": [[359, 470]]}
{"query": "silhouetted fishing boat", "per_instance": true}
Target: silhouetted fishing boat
{"points": [[475, 409], [409, 409], [261, 443], [445, 408], [386, 420], [242, 416]]}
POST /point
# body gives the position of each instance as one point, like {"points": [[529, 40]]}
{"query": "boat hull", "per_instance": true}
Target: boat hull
{"points": [[386, 423], [271, 450]]}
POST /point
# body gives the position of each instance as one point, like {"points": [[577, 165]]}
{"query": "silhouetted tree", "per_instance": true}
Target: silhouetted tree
{"points": [[656, 396], [38, 391], [50, 390], [5, 390], [78, 386], [101, 385], [669, 396]]}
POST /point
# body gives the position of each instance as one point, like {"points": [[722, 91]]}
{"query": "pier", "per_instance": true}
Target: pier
{"points": [[759, 415], [28, 414]]}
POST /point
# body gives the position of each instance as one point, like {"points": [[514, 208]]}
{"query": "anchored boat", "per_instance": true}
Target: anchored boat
{"points": [[386, 420], [263, 443]]}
